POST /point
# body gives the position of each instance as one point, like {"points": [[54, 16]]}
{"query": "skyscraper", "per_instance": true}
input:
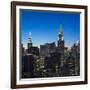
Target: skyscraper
{"points": [[32, 49], [61, 41], [30, 41], [60, 47]]}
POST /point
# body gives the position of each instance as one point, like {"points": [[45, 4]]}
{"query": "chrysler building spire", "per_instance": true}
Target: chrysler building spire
{"points": [[60, 38]]}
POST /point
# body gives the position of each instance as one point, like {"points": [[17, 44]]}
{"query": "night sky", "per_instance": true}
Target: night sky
{"points": [[45, 25]]}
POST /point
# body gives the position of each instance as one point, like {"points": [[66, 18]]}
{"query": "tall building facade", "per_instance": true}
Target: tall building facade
{"points": [[50, 60], [29, 41], [46, 49], [60, 46], [61, 41]]}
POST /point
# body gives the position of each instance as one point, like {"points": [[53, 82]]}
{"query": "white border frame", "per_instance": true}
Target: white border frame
{"points": [[54, 79]]}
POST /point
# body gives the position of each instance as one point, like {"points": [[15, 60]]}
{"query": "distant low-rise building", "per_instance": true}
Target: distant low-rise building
{"points": [[46, 49]]}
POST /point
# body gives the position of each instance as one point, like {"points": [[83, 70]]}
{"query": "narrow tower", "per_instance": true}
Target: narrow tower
{"points": [[61, 39], [60, 46], [29, 40]]}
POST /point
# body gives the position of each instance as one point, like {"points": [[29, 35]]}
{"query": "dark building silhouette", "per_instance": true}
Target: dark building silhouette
{"points": [[51, 60], [53, 56], [68, 68], [28, 60], [22, 49], [30, 41], [34, 50], [75, 52], [43, 51], [46, 49], [51, 63], [28, 66]]}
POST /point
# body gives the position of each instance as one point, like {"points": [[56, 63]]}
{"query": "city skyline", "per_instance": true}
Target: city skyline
{"points": [[45, 27]]}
